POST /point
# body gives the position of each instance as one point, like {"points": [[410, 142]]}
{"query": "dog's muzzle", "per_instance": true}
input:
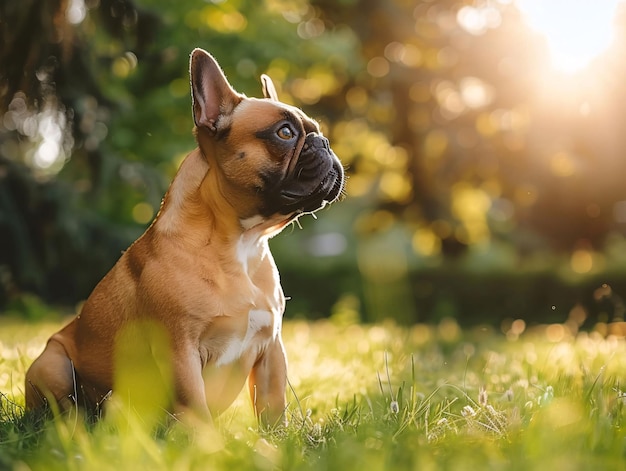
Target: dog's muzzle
{"points": [[316, 179]]}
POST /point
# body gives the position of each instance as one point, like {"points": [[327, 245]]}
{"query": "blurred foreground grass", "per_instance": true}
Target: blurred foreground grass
{"points": [[368, 398]]}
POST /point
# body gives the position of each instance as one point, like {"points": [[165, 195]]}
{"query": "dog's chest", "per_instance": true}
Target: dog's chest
{"points": [[253, 313], [234, 347]]}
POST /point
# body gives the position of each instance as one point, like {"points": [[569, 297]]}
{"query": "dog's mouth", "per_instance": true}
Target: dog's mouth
{"points": [[316, 180]]}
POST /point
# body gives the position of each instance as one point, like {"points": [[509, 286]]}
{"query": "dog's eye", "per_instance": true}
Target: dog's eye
{"points": [[285, 133]]}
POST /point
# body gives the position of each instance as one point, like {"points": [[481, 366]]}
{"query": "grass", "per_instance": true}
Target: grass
{"points": [[366, 398]]}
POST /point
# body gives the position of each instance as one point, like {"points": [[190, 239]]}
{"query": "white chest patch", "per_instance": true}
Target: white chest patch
{"points": [[248, 247], [257, 319]]}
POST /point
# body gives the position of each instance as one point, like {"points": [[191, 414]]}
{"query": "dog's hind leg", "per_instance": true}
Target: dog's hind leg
{"points": [[51, 378]]}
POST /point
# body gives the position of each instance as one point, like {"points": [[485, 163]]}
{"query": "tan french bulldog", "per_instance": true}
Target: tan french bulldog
{"points": [[195, 305]]}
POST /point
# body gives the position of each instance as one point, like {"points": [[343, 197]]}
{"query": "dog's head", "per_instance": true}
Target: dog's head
{"points": [[271, 158]]}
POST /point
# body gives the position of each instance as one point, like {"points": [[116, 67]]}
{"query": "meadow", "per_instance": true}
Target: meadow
{"points": [[366, 397]]}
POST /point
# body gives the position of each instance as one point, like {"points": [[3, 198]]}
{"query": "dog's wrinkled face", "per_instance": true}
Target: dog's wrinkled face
{"points": [[300, 173], [273, 158]]}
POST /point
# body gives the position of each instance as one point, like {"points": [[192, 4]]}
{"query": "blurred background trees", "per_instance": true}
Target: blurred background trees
{"points": [[485, 177]]}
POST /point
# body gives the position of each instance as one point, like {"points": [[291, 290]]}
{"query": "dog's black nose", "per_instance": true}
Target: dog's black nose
{"points": [[317, 141]]}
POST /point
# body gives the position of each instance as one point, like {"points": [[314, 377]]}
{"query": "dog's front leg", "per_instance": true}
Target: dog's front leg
{"points": [[267, 383], [189, 387]]}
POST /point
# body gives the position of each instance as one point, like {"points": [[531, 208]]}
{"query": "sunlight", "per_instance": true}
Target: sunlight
{"points": [[50, 156], [76, 11], [576, 31]]}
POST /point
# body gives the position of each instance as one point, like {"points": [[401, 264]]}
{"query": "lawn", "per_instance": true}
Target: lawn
{"points": [[367, 398]]}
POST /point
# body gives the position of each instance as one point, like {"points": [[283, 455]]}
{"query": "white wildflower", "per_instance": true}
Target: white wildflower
{"points": [[468, 411]]}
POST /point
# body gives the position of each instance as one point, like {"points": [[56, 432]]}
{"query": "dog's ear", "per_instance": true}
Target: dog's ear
{"points": [[211, 93], [269, 90]]}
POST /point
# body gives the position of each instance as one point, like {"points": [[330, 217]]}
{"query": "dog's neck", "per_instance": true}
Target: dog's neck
{"points": [[187, 204], [178, 203]]}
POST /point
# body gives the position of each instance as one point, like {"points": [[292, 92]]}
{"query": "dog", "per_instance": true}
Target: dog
{"points": [[194, 307]]}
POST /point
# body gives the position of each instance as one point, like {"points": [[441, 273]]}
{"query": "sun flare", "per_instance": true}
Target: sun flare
{"points": [[576, 31]]}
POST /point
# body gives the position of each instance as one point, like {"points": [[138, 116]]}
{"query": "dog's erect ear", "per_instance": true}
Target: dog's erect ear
{"points": [[211, 93], [269, 90]]}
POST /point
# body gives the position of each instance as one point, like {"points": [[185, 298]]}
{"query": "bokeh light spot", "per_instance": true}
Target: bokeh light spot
{"points": [[555, 332], [425, 242], [581, 261], [378, 67], [562, 165], [143, 212]]}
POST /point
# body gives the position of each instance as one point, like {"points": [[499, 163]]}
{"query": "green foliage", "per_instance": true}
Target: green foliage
{"points": [[28, 307], [378, 397]]}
